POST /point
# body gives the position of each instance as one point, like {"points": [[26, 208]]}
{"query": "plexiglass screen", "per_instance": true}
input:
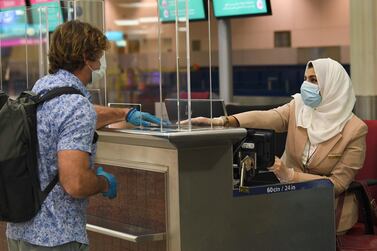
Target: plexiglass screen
{"points": [[161, 50]]}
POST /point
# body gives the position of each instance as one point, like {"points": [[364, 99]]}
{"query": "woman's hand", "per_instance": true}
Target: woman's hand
{"points": [[204, 121], [281, 171]]}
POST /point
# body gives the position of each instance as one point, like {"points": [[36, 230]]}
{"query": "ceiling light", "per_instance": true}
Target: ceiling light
{"points": [[135, 22], [127, 22], [138, 5], [137, 32], [148, 20]]}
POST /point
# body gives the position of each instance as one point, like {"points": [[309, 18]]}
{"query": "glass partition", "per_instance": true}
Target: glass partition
{"points": [[43, 20], [90, 11], [188, 60], [25, 32], [160, 51], [179, 32], [159, 48], [13, 28]]}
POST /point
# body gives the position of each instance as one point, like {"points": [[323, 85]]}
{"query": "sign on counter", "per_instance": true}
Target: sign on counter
{"points": [[281, 188]]}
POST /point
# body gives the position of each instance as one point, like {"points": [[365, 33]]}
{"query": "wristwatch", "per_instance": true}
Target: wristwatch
{"points": [[225, 120]]}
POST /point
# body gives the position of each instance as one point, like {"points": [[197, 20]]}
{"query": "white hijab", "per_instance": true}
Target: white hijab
{"points": [[335, 109]]}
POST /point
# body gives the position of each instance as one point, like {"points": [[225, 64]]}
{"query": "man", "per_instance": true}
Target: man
{"points": [[66, 127]]}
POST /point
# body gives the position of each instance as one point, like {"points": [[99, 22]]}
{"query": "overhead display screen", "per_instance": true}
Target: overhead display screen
{"points": [[11, 3], [47, 12], [197, 10], [240, 8], [42, 1], [13, 22]]}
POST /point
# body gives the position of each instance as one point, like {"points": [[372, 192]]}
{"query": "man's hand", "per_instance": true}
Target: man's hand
{"points": [[111, 192], [137, 118]]}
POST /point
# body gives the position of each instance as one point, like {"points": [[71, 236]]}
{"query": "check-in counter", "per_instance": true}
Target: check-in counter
{"points": [[175, 193]]}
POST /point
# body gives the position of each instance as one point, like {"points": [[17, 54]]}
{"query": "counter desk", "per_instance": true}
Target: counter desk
{"points": [[175, 193]]}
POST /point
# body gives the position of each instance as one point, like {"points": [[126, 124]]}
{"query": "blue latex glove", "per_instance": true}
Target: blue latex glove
{"points": [[137, 118], [112, 191]]}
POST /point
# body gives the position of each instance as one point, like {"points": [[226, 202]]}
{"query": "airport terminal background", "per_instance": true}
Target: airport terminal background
{"points": [[269, 53]]}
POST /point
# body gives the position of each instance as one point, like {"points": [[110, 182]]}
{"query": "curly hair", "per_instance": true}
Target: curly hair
{"points": [[72, 42]]}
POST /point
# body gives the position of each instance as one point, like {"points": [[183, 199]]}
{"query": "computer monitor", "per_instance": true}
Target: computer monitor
{"points": [[199, 108]]}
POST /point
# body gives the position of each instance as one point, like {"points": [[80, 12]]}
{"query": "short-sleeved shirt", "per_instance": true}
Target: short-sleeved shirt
{"points": [[63, 123]]}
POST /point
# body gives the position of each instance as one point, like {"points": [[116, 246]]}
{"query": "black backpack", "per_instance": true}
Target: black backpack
{"points": [[21, 196]]}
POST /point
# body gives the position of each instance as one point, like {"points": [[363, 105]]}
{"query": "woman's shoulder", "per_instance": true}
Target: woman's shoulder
{"points": [[355, 126]]}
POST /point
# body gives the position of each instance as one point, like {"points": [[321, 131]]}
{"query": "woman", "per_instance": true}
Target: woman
{"points": [[325, 139]]}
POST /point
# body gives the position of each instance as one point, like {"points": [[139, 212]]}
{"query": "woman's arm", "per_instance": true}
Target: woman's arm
{"points": [[276, 119]]}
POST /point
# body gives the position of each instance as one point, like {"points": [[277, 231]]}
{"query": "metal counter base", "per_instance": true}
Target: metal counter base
{"points": [[178, 187]]}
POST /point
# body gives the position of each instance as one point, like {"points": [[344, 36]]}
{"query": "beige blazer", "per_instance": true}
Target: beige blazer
{"points": [[337, 159]]}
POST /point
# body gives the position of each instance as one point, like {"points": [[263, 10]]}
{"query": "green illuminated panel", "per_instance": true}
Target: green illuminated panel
{"points": [[168, 10], [47, 13], [228, 8]]}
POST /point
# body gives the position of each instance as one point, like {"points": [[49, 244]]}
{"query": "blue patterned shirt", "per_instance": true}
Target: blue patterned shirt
{"points": [[64, 123]]}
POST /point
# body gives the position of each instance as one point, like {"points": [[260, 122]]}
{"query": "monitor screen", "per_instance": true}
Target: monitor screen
{"points": [[240, 8], [47, 12], [13, 22], [197, 10]]}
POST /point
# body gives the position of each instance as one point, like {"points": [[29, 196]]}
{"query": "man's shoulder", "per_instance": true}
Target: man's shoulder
{"points": [[44, 84], [67, 107]]}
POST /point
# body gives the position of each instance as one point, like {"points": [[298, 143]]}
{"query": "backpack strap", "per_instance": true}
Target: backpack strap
{"points": [[58, 92], [49, 187]]}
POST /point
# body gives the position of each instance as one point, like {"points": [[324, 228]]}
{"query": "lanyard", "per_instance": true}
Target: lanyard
{"points": [[308, 158]]}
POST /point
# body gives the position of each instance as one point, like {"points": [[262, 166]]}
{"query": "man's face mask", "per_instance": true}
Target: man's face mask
{"points": [[310, 94], [100, 73]]}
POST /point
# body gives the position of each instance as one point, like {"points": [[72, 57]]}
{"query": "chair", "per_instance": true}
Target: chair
{"points": [[369, 170], [363, 236], [368, 173]]}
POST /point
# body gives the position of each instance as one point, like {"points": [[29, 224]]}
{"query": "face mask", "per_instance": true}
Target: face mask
{"points": [[310, 94], [100, 73]]}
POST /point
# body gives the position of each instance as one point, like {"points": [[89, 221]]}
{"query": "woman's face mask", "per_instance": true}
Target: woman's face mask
{"points": [[310, 94], [100, 73]]}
